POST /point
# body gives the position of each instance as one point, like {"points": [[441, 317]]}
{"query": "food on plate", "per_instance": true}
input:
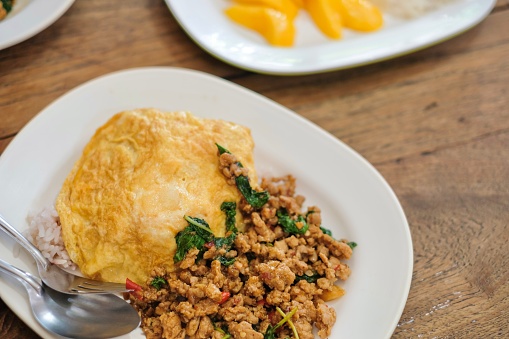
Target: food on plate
{"points": [[123, 203], [171, 204], [274, 19], [5, 7], [270, 281]]}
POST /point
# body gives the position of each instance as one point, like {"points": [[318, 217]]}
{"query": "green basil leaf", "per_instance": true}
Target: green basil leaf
{"points": [[289, 225], [158, 282]]}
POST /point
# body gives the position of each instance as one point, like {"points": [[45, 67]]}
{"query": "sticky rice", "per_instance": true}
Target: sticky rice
{"points": [[410, 9]]}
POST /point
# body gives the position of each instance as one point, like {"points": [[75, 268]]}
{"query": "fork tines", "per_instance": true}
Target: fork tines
{"points": [[83, 285]]}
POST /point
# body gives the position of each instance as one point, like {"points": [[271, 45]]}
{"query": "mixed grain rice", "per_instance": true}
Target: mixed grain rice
{"points": [[44, 232]]}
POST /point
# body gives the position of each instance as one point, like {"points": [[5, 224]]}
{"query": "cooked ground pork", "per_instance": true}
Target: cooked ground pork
{"points": [[5, 7], [274, 272]]}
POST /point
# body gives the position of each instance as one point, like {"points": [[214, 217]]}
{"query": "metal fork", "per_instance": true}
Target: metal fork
{"points": [[54, 276]]}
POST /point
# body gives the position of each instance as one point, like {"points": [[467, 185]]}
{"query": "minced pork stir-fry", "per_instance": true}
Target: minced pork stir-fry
{"points": [[269, 281], [5, 7]]}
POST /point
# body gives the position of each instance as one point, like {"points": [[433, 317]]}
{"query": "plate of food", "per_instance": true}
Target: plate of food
{"points": [[236, 31], [22, 19], [245, 216]]}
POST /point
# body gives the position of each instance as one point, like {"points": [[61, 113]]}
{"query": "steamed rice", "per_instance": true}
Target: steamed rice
{"points": [[410, 8], [44, 232]]}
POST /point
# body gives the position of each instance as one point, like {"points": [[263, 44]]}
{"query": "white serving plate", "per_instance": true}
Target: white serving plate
{"points": [[209, 27], [357, 203], [29, 17]]}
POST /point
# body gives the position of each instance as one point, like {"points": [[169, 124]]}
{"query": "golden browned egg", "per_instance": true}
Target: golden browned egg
{"points": [[125, 199]]}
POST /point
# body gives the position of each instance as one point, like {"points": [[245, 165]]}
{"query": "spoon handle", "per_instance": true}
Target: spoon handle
{"points": [[16, 235], [25, 278]]}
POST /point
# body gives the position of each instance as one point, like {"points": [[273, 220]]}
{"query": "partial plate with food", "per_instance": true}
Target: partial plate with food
{"points": [[356, 202], [29, 17], [213, 31]]}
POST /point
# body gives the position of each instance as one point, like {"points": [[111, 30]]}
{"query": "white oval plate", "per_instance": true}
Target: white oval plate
{"points": [[29, 17], [207, 25], [356, 201]]}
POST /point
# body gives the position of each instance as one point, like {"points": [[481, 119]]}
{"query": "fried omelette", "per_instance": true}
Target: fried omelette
{"points": [[125, 199]]}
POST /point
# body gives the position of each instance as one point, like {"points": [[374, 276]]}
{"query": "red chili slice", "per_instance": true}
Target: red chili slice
{"points": [[224, 296], [131, 285], [135, 289]]}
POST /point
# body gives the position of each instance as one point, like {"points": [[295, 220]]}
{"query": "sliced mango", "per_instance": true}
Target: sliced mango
{"points": [[299, 3], [360, 15], [326, 15], [275, 26], [273, 19], [286, 6]]}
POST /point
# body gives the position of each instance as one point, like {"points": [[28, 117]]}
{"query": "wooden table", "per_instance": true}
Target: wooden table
{"points": [[435, 124]]}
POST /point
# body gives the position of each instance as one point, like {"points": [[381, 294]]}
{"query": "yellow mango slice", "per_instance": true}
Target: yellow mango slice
{"points": [[299, 3], [335, 293], [361, 15], [326, 15], [275, 26], [286, 6]]}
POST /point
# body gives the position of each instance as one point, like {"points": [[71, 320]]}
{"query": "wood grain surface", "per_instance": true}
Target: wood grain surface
{"points": [[435, 123]]}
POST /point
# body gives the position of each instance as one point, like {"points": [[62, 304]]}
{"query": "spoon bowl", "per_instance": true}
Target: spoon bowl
{"points": [[75, 315]]}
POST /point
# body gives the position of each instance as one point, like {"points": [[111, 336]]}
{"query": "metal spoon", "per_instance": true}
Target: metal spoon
{"points": [[54, 276], [76, 316]]}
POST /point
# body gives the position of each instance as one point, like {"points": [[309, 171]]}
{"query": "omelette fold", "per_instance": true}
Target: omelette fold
{"points": [[125, 199]]}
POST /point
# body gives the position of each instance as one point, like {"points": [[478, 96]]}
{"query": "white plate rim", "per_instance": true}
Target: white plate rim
{"points": [[36, 16], [229, 45], [195, 76]]}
